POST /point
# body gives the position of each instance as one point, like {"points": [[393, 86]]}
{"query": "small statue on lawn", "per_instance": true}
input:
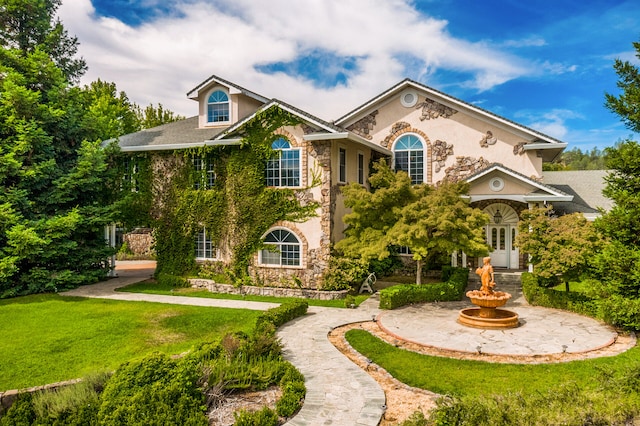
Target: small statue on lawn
{"points": [[486, 277]]}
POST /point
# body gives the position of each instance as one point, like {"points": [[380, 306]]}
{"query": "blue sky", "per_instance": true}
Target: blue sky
{"points": [[545, 64]]}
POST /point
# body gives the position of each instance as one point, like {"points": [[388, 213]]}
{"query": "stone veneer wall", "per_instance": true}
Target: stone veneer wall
{"points": [[139, 241], [214, 287]]}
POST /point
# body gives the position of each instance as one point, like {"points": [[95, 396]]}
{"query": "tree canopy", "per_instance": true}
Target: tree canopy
{"points": [[428, 220]]}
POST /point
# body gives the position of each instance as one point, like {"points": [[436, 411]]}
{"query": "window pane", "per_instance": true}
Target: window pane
{"points": [[360, 168], [402, 161], [343, 165], [270, 257]]}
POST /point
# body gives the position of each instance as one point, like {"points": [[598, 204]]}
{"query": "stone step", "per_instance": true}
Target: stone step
{"points": [[501, 278]]}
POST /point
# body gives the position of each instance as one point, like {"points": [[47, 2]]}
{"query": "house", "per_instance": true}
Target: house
{"points": [[424, 132]]}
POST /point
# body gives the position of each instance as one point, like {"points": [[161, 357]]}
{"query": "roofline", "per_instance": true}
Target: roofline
{"points": [[227, 83], [457, 102], [521, 198], [557, 193], [176, 146], [536, 146], [347, 135]]}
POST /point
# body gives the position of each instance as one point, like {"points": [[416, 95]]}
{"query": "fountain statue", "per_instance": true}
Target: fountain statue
{"points": [[487, 315]]}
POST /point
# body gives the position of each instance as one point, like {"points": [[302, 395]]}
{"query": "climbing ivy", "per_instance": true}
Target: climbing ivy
{"points": [[236, 211]]}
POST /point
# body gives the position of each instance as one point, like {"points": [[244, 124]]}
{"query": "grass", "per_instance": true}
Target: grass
{"points": [[153, 287], [50, 338], [476, 378], [577, 286]]}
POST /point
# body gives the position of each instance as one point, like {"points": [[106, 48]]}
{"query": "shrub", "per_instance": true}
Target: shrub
{"points": [[153, 391], [569, 301], [21, 412], [293, 392], [172, 281], [621, 312], [400, 295], [264, 417], [344, 273], [283, 313], [349, 301]]}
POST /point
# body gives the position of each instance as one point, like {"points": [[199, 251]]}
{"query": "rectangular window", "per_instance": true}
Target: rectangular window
{"points": [[284, 170], [404, 250], [361, 168], [204, 173], [342, 172], [130, 177], [205, 249]]}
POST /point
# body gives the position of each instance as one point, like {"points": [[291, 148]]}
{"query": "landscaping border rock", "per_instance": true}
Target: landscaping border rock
{"points": [[302, 293]]}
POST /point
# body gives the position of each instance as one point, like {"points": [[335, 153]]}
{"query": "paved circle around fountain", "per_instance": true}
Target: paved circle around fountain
{"points": [[542, 331]]}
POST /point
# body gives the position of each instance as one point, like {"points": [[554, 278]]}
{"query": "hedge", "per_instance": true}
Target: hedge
{"points": [[283, 313], [547, 297], [452, 289]]}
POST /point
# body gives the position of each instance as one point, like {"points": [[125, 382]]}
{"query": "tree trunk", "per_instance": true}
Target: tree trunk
{"points": [[419, 272], [566, 286]]}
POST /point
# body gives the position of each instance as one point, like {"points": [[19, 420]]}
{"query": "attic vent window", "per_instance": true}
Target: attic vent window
{"points": [[409, 98], [496, 184]]}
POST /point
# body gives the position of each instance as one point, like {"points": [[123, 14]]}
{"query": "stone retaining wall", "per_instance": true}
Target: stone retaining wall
{"points": [[214, 287], [8, 398]]}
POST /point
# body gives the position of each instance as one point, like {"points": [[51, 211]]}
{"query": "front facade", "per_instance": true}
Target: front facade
{"points": [[426, 133]]}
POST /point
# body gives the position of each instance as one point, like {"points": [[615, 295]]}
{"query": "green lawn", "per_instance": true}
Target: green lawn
{"points": [[153, 287], [49, 338], [476, 378]]}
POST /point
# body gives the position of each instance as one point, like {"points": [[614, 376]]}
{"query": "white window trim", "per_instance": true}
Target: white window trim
{"points": [[424, 154], [206, 108], [216, 250], [281, 266], [292, 148]]}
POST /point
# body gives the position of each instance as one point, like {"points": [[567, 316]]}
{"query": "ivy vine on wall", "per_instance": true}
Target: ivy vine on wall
{"points": [[237, 210]]}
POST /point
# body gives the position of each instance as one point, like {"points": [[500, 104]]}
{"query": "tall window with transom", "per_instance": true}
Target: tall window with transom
{"points": [[205, 250], [218, 107], [409, 157]]}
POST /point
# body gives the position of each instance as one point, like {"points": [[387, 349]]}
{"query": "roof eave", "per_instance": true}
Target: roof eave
{"points": [[179, 146], [349, 136]]}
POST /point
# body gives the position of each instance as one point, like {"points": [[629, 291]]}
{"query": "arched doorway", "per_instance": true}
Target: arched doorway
{"points": [[501, 235]]}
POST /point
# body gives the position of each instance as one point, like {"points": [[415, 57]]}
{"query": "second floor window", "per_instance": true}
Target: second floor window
{"points": [[204, 173], [284, 168], [218, 107], [409, 157]]}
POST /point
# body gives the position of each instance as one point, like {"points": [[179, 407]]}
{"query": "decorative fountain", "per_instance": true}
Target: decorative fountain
{"points": [[487, 315]]}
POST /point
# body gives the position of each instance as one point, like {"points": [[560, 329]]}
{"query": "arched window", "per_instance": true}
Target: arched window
{"points": [[284, 168], [283, 248], [409, 156], [218, 107]]}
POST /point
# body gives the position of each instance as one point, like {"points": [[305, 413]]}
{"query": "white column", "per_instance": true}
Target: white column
{"points": [[110, 237], [464, 260], [530, 265], [454, 259]]}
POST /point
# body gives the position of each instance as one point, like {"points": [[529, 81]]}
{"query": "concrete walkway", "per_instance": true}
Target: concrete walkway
{"points": [[338, 392]]}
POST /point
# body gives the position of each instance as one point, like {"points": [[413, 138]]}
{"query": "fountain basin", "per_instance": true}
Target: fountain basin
{"points": [[488, 318]]}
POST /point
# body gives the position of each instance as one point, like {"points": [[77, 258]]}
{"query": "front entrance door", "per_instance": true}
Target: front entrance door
{"points": [[498, 237]]}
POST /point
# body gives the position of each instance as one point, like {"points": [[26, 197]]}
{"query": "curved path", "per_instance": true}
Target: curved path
{"points": [[341, 393], [338, 391]]}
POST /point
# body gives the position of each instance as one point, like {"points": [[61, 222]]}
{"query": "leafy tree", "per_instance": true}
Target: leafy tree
{"points": [[558, 246], [153, 116], [575, 159], [627, 104], [429, 220], [110, 114]]}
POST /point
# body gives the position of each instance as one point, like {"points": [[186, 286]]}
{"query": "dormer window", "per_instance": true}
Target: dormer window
{"points": [[218, 107]]}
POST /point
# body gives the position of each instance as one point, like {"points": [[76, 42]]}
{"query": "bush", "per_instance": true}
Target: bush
{"points": [[264, 417], [283, 313], [621, 312], [293, 392], [21, 412], [153, 391], [172, 281], [401, 295], [568, 301], [344, 273]]}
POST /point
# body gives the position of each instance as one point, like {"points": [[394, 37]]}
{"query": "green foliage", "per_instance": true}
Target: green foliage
{"points": [[283, 313], [264, 417], [153, 391], [575, 159], [21, 413], [558, 247], [344, 273], [621, 311], [627, 104], [401, 295], [153, 116], [429, 220], [172, 281], [538, 295], [293, 392], [237, 211]]}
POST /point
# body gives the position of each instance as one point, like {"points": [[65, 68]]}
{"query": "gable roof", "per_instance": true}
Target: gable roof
{"points": [[233, 89], [539, 141], [540, 192], [586, 187]]}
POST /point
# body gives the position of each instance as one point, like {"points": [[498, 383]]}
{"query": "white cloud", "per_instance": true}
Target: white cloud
{"points": [[161, 60], [552, 123]]}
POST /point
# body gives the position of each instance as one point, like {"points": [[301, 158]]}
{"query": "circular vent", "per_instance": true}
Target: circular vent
{"points": [[496, 184], [409, 98]]}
